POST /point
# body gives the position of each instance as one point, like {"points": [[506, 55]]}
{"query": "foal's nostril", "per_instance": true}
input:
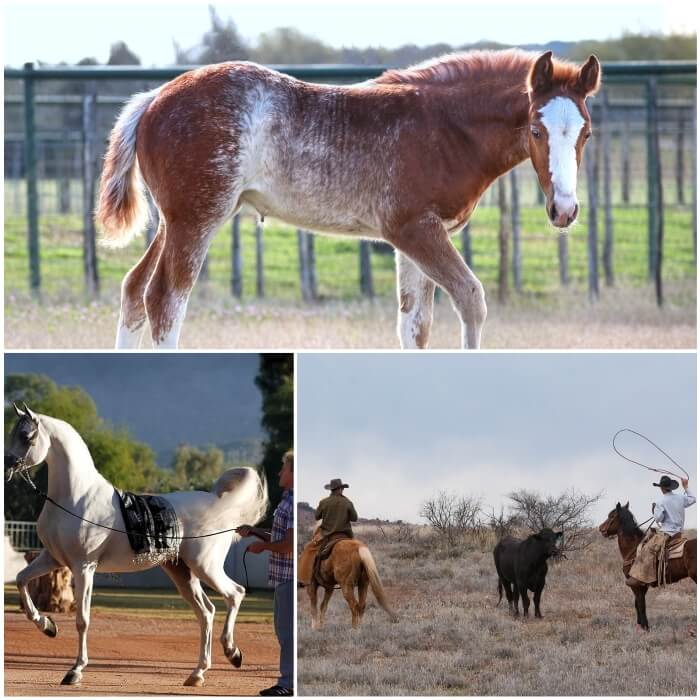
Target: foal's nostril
{"points": [[553, 212], [575, 213]]}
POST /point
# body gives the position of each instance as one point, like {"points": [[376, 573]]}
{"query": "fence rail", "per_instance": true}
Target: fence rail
{"points": [[643, 160], [23, 535]]}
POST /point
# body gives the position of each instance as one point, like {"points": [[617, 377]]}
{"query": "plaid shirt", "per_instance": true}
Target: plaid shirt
{"points": [[281, 567]]}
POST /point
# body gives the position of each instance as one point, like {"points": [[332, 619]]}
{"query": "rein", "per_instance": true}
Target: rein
{"points": [[646, 466]]}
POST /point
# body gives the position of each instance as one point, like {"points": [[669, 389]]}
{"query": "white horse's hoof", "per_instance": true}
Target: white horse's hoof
{"points": [[49, 627], [194, 680], [72, 678], [236, 657]]}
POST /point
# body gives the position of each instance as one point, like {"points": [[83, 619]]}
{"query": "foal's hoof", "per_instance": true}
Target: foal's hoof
{"points": [[236, 658], [72, 678], [196, 681], [50, 629]]}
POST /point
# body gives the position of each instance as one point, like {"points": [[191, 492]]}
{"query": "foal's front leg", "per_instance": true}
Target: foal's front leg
{"points": [[42, 565], [416, 294], [426, 242], [83, 577]]}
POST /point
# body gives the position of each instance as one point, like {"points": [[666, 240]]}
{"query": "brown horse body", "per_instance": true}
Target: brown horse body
{"points": [[620, 523], [403, 158], [349, 566]]}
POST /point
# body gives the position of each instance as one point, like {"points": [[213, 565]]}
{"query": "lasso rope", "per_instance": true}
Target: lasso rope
{"points": [[646, 466]]}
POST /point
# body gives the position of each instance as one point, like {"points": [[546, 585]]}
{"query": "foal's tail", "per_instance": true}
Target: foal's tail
{"points": [[243, 490], [375, 582], [122, 210]]}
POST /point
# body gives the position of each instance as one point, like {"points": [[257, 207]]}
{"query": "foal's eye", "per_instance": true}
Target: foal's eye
{"points": [[535, 132]]}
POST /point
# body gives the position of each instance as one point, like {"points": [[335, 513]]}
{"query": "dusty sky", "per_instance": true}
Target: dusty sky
{"points": [[69, 31], [400, 428]]}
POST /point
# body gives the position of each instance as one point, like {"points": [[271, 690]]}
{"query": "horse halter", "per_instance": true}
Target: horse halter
{"points": [[21, 469]]}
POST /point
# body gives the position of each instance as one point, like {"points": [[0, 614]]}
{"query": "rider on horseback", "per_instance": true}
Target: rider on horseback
{"points": [[669, 514], [335, 512]]}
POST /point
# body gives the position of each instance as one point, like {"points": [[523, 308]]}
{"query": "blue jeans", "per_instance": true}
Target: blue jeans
{"points": [[284, 629]]}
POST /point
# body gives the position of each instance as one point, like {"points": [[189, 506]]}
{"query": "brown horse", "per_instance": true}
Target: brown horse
{"points": [[403, 158], [350, 565], [621, 523]]}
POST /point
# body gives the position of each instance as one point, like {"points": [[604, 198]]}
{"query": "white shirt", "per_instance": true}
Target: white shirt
{"points": [[669, 512]]}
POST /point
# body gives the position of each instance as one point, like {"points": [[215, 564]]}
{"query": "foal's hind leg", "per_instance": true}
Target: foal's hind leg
{"points": [[416, 294], [43, 564], [233, 594], [132, 316], [191, 590], [425, 240]]}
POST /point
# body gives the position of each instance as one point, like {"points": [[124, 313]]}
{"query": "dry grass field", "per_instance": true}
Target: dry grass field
{"points": [[452, 640], [624, 318]]}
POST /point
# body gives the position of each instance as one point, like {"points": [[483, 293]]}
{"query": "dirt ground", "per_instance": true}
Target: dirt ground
{"points": [[623, 318], [132, 655]]}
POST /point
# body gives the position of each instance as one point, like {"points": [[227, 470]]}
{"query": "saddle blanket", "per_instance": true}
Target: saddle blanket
{"points": [[152, 527]]}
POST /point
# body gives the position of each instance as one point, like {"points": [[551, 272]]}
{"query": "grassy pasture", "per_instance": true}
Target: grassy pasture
{"points": [[452, 640]]}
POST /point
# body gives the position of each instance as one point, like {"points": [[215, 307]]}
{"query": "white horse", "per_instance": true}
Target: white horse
{"points": [[239, 496]]}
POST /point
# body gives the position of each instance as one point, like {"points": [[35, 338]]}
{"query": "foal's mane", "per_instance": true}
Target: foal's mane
{"points": [[455, 68], [628, 524]]}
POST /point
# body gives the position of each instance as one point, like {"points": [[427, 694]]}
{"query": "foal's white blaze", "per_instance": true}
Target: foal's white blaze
{"points": [[563, 121]]}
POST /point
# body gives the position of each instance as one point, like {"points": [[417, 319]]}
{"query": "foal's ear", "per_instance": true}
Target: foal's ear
{"points": [[627, 505], [540, 78], [588, 81]]}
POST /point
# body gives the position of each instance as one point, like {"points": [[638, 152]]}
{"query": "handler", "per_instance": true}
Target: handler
{"points": [[669, 513], [280, 541], [335, 512]]}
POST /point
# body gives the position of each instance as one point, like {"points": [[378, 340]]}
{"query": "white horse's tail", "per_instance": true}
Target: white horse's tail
{"points": [[375, 582], [122, 210], [244, 490]]}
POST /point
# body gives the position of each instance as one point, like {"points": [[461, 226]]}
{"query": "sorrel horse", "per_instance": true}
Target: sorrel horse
{"points": [[239, 496], [403, 158], [350, 565], [620, 523]]}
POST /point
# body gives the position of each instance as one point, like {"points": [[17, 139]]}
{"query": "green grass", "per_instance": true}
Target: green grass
{"points": [[256, 607], [337, 258]]}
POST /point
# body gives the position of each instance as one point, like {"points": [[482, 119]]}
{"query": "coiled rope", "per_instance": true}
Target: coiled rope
{"points": [[646, 466]]}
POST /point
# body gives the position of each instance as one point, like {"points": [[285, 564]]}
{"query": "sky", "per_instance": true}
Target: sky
{"points": [[163, 399], [70, 31], [401, 428]]}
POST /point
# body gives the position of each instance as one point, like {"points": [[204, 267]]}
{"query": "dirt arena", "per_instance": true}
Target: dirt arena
{"points": [[134, 655]]}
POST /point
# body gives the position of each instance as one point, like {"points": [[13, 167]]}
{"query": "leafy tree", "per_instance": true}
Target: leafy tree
{"points": [[221, 43], [121, 55], [198, 469], [275, 380], [287, 45]]}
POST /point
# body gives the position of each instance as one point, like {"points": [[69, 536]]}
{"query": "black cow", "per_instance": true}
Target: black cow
{"points": [[523, 563]]}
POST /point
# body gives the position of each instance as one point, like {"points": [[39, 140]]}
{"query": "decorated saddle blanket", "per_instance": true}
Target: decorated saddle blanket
{"points": [[152, 527]]}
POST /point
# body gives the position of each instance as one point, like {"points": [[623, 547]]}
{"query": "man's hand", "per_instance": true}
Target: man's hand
{"points": [[256, 547], [685, 484], [653, 505], [244, 530]]}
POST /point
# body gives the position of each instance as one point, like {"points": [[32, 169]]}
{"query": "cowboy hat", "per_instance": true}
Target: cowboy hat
{"points": [[338, 484], [666, 482]]}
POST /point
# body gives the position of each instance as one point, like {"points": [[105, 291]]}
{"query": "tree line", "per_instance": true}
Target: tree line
{"points": [[131, 464]]}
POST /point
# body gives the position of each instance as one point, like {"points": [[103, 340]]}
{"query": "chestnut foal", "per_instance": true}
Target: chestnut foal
{"points": [[403, 158]]}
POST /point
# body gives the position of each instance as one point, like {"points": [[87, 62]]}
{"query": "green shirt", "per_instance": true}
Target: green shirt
{"points": [[336, 513]]}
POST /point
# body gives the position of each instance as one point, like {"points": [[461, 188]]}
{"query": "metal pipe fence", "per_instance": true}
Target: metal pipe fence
{"points": [[637, 187], [23, 535]]}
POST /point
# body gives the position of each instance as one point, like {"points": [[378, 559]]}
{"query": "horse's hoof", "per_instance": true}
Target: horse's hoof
{"points": [[236, 658], [196, 681], [72, 678], [50, 629]]}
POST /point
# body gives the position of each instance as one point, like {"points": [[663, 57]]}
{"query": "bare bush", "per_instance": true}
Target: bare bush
{"points": [[569, 511], [452, 516], [503, 523]]}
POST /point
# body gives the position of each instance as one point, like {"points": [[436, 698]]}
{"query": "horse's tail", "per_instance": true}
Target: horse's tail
{"points": [[375, 582], [244, 490], [122, 210]]}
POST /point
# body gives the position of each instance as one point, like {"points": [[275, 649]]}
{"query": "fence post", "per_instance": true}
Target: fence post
{"points": [[366, 282], [32, 194], [259, 269], [63, 183], [311, 260], [236, 258], [515, 221], [625, 155], [502, 242], [658, 200], [680, 159], [694, 182], [592, 184], [563, 253], [652, 185], [607, 192], [92, 280], [467, 245], [303, 265]]}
